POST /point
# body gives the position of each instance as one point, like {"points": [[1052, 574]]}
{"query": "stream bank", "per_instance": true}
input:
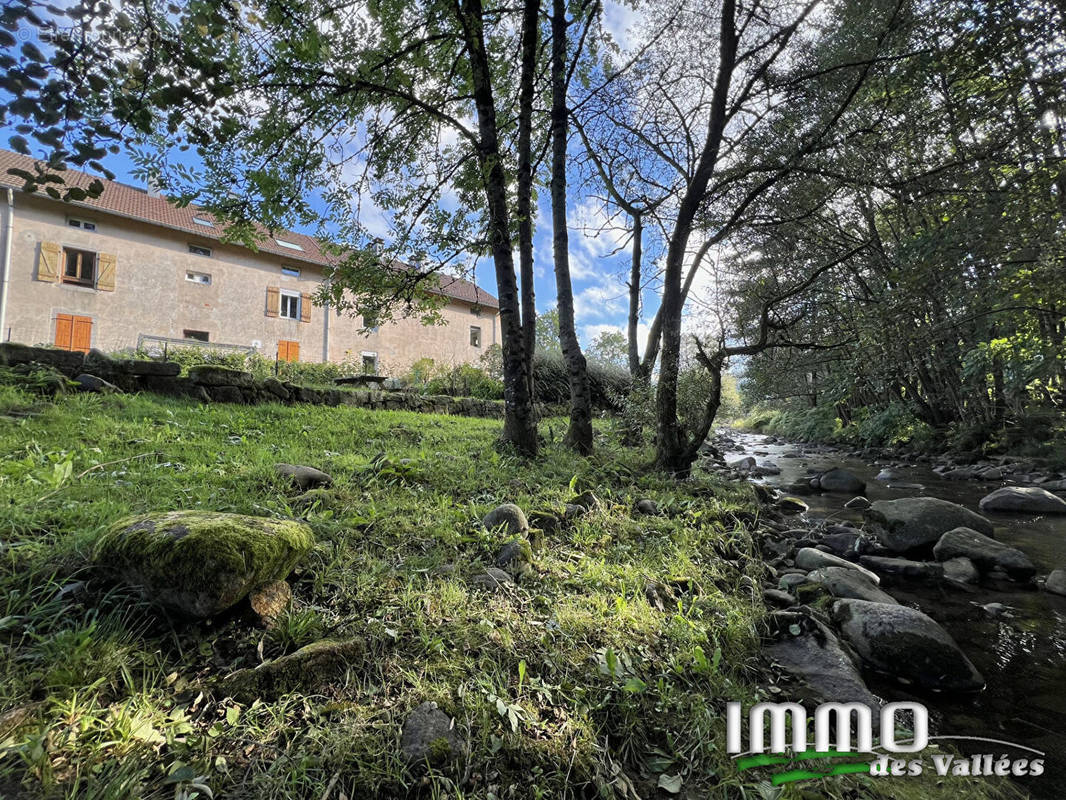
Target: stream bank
{"points": [[1014, 633]]}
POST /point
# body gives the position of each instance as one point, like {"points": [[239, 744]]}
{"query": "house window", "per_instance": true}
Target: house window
{"points": [[198, 277], [290, 305], [200, 336], [475, 336], [476, 311], [84, 224], [74, 333], [292, 272], [370, 323], [370, 363], [288, 351], [79, 266], [199, 250], [205, 222], [289, 245]]}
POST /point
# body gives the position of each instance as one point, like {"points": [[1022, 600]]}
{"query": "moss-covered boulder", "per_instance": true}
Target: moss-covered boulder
{"points": [[310, 669], [199, 563]]}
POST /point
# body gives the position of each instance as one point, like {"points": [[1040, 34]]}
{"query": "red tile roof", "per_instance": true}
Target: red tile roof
{"points": [[134, 203]]}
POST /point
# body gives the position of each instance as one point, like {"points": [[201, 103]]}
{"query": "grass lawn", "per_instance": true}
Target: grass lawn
{"points": [[571, 684]]}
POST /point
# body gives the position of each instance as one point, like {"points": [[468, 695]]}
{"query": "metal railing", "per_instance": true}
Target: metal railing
{"points": [[160, 345]]}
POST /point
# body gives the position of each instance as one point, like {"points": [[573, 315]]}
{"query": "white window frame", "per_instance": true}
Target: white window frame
{"points": [[292, 272], [81, 224], [480, 336], [288, 245], [364, 356], [195, 277], [200, 250], [296, 305]]}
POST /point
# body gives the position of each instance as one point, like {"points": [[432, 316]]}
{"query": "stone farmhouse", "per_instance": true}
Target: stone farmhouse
{"points": [[131, 269]]}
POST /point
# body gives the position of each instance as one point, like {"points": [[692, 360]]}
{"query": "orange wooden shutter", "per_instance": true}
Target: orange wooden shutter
{"points": [[105, 272], [305, 307], [50, 262], [64, 331], [273, 301], [288, 351], [83, 334]]}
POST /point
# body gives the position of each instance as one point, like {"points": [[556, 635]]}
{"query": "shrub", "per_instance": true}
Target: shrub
{"points": [[466, 380], [302, 372]]}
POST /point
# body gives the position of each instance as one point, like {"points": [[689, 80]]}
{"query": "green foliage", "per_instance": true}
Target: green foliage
{"points": [[608, 384], [466, 380], [548, 332], [610, 347]]}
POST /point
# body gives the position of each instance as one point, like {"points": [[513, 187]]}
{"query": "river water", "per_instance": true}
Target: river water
{"points": [[1021, 653]]}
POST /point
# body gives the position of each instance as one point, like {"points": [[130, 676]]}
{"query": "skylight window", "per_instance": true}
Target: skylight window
{"points": [[205, 222], [290, 245]]}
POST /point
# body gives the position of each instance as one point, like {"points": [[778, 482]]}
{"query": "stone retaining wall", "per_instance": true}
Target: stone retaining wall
{"points": [[221, 385]]}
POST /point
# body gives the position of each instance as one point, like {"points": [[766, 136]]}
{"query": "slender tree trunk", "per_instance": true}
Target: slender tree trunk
{"points": [[519, 424], [634, 295], [579, 434], [673, 453], [524, 200]]}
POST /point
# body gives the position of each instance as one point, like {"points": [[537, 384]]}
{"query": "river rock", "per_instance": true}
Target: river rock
{"points": [[986, 553], [842, 543], [810, 558], [844, 582], [792, 505], [961, 570], [587, 500], [200, 563], [1031, 500], [791, 580], [304, 477], [902, 568], [429, 735], [744, 463], [840, 480], [904, 642], [887, 475], [912, 522], [778, 597], [860, 503], [509, 516], [823, 670], [1056, 582]]}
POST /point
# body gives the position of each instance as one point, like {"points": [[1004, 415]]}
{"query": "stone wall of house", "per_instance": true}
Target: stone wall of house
{"points": [[160, 288], [96, 371]]}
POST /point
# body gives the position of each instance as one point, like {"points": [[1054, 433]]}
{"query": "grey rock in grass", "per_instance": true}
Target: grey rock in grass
{"points": [[508, 516], [912, 522], [906, 643], [310, 669], [1024, 500], [304, 477], [493, 578], [429, 735], [516, 558], [211, 375], [93, 383], [587, 500], [647, 507], [985, 553]]}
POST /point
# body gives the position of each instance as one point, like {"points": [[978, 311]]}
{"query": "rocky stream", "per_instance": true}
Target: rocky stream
{"points": [[1007, 619]]}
